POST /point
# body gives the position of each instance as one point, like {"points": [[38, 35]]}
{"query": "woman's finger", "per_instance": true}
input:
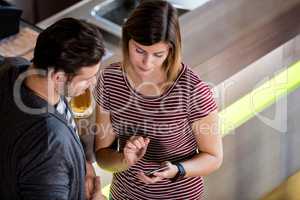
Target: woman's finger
{"points": [[130, 145], [142, 141], [147, 179], [147, 141], [137, 143], [129, 150], [162, 174]]}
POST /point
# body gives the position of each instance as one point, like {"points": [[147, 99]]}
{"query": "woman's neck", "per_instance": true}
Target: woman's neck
{"points": [[152, 85]]}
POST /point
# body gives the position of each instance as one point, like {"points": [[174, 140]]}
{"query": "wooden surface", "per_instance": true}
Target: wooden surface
{"points": [[21, 44], [223, 37], [288, 190]]}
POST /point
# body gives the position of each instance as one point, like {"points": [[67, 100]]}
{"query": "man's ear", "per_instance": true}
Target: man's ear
{"points": [[58, 77]]}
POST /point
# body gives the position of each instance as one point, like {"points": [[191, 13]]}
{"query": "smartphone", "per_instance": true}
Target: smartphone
{"points": [[156, 170]]}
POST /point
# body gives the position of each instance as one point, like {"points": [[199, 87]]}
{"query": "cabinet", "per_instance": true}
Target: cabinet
{"points": [[37, 10]]}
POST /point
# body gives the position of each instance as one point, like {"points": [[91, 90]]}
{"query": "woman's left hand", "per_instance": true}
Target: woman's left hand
{"points": [[168, 173]]}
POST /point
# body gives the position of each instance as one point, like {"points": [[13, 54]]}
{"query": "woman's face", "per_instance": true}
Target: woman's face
{"points": [[147, 59]]}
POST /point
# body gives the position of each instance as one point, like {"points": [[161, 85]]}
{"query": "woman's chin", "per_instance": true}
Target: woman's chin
{"points": [[144, 71]]}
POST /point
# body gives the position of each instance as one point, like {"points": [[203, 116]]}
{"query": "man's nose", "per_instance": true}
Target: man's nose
{"points": [[93, 82]]}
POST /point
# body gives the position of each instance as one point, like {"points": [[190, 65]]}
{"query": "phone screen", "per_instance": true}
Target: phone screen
{"points": [[156, 170]]}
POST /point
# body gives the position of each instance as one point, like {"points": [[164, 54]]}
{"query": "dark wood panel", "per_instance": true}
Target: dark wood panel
{"points": [[231, 34]]}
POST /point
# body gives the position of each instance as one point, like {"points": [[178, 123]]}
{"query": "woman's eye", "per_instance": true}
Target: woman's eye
{"points": [[139, 51], [158, 55]]}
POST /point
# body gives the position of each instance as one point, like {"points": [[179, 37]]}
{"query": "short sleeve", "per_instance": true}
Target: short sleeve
{"points": [[43, 170], [100, 92], [201, 102]]}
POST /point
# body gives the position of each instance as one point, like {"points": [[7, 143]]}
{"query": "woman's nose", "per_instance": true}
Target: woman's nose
{"points": [[147, 60]]}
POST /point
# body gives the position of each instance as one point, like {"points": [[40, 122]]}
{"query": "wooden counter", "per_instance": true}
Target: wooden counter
{"points": [[223, 37], [21, 44]]}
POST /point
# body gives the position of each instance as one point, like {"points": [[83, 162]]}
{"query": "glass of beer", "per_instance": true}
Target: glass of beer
{"points": [[82, 105]]}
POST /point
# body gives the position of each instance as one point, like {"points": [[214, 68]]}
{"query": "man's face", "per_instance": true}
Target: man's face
{"points": [[85, 78]]}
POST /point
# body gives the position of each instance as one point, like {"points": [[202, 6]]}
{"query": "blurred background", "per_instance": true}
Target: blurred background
{"points": [[249, 53]]}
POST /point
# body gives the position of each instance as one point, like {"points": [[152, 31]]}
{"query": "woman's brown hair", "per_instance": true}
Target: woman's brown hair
{"points": [[152, 22]]}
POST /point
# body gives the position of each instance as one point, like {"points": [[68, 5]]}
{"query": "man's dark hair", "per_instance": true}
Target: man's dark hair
{"points": [[68, 45]]}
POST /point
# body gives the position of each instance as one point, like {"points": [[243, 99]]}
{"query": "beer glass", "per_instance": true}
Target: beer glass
{"points": [[82, 105]]}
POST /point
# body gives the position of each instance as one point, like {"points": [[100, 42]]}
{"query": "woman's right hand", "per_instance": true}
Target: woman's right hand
{"points": [[135, 149]]}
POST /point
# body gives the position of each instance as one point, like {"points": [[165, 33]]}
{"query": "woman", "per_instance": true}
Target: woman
{"points": [[159, 112]]}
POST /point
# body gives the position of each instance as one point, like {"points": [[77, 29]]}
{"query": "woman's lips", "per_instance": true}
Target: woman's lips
{"points": [[144, 68]]}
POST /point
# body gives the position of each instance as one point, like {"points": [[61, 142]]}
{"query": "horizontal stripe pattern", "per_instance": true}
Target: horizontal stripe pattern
{"points": [[165, 119]]}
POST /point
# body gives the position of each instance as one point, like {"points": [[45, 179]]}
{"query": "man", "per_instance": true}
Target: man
{"points": [[41, 156]]}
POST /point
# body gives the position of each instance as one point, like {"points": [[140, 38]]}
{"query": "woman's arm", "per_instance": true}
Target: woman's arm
{"points": [[209, 159], [210, 146], [106, 157]]}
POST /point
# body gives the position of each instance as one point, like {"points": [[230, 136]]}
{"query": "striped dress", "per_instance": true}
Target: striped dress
{"points": [[166, 120]]}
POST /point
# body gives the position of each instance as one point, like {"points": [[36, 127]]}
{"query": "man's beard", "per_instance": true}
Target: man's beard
{"points": [[65, 91]]}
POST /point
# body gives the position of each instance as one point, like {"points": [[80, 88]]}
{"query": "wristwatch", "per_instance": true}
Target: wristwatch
{"points": [[180, 174]]}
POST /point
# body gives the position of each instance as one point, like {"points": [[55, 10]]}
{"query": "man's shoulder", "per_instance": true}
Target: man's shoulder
{"points": [[13, 65], [56, 127], [10, 68], [46, 126]]}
